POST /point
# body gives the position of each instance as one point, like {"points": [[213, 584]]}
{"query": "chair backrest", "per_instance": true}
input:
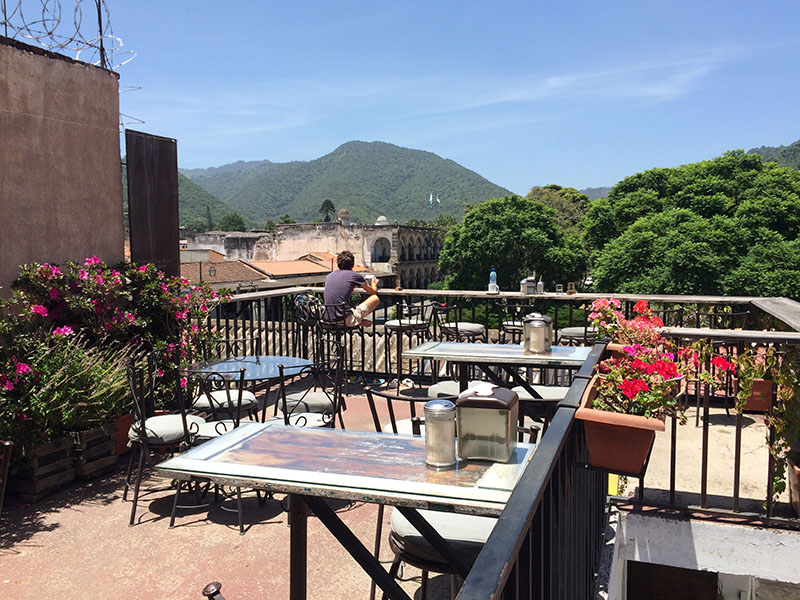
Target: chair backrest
{"points": [[232, 347], [510, 321], [221, 390], [389, 397], [671, 317], [327, 377], [146, 381], [6, 448]]}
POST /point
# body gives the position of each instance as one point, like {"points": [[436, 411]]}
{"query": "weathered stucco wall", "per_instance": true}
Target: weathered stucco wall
{"points": [[60, 184]]}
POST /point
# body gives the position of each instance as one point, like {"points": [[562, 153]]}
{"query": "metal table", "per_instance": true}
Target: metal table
{"points": [[313, 464], [257, 369], [509, 357]]}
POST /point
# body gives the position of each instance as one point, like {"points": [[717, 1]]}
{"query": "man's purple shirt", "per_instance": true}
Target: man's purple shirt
{"points": [[339, 286]]}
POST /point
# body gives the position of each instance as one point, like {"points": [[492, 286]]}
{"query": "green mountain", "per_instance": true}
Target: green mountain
{"points": [[596, 192], [785, 156], [193, 200], [367, 178]]}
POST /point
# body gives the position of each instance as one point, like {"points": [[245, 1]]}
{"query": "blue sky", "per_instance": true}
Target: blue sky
{"points": [[524, 93]]}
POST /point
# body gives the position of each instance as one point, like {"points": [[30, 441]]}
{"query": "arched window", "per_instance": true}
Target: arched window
{"points": [[381, 250]]}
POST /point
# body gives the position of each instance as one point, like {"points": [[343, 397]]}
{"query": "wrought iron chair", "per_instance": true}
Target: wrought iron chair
{"points": [[449, 328], [150, 433], [510, 321], [412, 321], [223, 394], [320, 401], [6, 448], [466, 533]]}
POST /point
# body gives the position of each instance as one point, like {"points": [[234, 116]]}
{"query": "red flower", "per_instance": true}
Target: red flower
{"points": [[641, 307], [631, 387]]}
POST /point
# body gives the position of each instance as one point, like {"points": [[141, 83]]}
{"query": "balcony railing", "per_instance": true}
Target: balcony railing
{"points": [[548, 540]]}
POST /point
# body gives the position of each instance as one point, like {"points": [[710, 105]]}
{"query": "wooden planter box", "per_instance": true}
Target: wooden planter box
{"points": [[50, 467], [617, 443], [122, 427], [760, 398], [95, 451]]}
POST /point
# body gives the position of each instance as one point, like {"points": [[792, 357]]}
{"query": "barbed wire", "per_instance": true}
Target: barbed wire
{"points": [[43, 22]]}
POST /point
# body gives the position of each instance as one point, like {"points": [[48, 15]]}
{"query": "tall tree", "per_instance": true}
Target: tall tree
{"points": [[326, 210], [209, 222], [516, 236], [232, 222], [570, 204]]}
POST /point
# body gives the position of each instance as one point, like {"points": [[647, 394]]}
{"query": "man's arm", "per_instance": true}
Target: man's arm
{"points": [[368, 286]]}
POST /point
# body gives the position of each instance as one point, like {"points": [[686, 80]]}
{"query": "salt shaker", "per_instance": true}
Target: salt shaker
{"points": [[440, 434]]}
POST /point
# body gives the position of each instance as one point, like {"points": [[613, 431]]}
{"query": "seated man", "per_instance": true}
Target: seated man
{"points": [[339, 286]]}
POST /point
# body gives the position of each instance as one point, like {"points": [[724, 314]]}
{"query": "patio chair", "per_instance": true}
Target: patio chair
{"points": [[231, 347], [320, 401], [510, 320], [152, 434], [466, 533], [6, 448], [223, 394], [411, 322], [449, 328]]}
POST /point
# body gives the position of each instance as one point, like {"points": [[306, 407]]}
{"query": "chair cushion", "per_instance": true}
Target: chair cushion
{"points": [[223, 402], [466, 533], [547, 392], [212, 429], [448, 387], [406, 324], [404, 427], [165, 429], [465, 328], [315, 401]]}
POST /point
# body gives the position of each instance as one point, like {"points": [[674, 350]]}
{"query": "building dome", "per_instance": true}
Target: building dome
{"points": [[382, 221]]}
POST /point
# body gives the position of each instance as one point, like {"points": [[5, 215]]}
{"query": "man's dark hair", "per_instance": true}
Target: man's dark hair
{"points": [[345, 260]]}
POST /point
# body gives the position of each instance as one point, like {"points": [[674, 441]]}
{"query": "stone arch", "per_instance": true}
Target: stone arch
{"points": [[381, 250]]}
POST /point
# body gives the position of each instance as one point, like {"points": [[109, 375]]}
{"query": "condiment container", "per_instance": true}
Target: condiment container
{"points": [[440, 434], [537, 333], [486, 418]]}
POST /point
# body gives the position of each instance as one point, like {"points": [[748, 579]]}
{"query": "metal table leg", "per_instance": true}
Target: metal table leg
{"points": [[298, 555]]}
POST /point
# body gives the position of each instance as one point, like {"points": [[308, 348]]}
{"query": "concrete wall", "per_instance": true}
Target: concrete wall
{"points": [[60, 184]]}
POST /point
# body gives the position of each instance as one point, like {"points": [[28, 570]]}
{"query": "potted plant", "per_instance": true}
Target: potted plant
{"points": [[609, 321], [752, 385], [633, 392]]}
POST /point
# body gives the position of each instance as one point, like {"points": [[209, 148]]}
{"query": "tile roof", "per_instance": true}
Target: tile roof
{"points": [[229, 271], [288, 268]]}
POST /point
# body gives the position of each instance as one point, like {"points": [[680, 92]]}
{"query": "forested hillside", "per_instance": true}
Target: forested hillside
{"points": [[367, 178], [786, 156]]}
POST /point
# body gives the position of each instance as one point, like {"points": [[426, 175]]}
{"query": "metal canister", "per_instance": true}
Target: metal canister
{"points": [[440, 434], [537, 333]]}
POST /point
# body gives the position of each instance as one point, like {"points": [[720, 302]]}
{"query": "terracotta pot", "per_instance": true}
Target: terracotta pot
{"points": [[793, 477], [617, 443], [614, 350], [760, 398], [123, 425]]}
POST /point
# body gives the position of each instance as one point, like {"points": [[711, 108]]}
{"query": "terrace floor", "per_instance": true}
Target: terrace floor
{"points": [[76, 543]]}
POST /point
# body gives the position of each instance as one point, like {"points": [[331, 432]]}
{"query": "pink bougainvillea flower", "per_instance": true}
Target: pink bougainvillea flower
{"points": [[92, 260], [9, 385], [23, 368], [143, 268], [55, 271], [65, 330], [195, 328], [83, 275], [160, 372], [184, 382], [39, 310], [631, 387]]}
